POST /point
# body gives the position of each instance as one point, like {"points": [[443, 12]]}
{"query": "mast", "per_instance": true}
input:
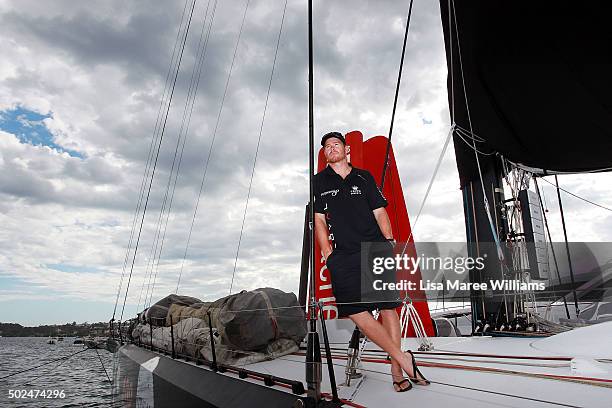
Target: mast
{"points": [[490, 309], [313, 351]]}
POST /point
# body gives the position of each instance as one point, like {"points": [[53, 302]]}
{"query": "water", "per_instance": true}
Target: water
{"points": [[81, 376]]}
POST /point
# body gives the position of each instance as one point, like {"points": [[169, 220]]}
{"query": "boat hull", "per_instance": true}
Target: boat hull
{"points": [[145, 378]]}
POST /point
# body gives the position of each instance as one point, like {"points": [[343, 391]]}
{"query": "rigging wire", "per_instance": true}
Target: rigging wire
{"points": [[463, 135], [183, 134], [280, 30], [212, 143], [149, 159], [198, 56], [537, 188], [161, 137], [157, 122], [578, 197], [431, 181], [500, 253], [397, 88], [166, 92], [471, 136]]}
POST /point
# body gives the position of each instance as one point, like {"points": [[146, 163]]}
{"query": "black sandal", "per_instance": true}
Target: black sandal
{"points": [[399, 385], [417, 372]]}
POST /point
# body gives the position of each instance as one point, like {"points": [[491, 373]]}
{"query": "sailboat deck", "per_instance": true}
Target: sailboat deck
{"points": [[464, 381]]}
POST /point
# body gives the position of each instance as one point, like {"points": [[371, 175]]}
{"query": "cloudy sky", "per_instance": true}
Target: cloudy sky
{"points": [[80, 91]]}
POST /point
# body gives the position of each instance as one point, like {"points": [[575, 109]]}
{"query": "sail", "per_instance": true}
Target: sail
{"points": [[370, 155], [537, 82]]}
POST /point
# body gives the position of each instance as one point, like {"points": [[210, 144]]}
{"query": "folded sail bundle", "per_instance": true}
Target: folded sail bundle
{"points": [[156, 314], [248, 326]]}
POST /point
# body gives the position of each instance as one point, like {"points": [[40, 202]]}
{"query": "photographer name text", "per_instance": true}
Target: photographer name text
{"points": [[459, 285]]}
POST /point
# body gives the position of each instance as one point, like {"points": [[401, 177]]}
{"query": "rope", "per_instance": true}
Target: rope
{"points": [[212, 143], [161, 137], [263, 118], [397, 88]]}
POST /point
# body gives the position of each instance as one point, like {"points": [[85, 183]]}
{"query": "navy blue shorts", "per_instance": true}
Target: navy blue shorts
{"points": [[347, 277]]}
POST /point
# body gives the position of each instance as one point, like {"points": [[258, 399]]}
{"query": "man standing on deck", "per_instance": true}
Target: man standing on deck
{"points": [[350, 209]]}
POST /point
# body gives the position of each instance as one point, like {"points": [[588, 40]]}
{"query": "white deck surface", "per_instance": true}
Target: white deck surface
{"points": [[456, 387]]}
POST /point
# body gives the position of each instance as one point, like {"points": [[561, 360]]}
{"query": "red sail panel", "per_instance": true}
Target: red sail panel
{"points": [[370, 155]]}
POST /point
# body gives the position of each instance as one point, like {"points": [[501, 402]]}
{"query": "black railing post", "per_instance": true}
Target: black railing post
{"points": [[151, 333], [328, 355], [567, 248], [212, 344], [172, 336]]}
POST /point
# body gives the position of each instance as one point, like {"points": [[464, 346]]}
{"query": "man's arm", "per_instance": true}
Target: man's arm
{"points": [[382, 218], [322, 235]]}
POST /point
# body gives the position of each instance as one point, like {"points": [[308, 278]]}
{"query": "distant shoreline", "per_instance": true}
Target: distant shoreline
{"points": [[66, 330]]}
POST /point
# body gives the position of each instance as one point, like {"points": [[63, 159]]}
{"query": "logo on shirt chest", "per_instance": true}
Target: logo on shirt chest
{"points": [[355, 190], [332, 192]]}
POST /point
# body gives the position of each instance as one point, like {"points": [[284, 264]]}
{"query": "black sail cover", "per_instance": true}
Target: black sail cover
{"points": [[537, 79]]}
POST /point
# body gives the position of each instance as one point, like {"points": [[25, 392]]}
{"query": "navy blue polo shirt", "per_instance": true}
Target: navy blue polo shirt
{"points": [[348, 204]]}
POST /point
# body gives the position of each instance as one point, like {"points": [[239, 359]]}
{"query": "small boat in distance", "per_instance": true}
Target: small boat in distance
{"points": [[95, 342], [52, 340]]}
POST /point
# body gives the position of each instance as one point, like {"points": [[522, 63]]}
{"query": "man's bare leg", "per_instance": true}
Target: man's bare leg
{"points": [[390, 322]]}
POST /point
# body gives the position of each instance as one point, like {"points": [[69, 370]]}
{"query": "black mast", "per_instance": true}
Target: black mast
{"points": [[480, 180], [313, 352]]}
